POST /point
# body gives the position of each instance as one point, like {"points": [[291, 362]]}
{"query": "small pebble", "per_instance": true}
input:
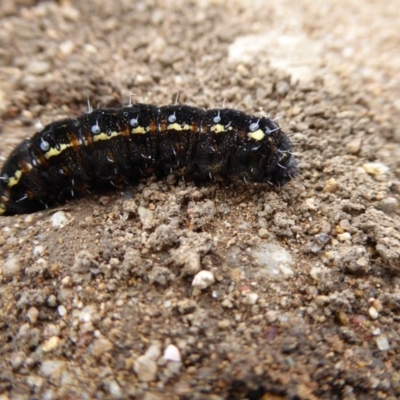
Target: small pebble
{"points": [[373, 313], [203, 279], [38, 251], [32, 315], [38, 67], [354, 146], [51, 344], [146, 217], [86, 314], [375, 169], [34, 381], [172, 353], [11, 267], [263, 233], [115, 390], [250, 298], [62, 311], [100, 346], [331, 186], [145, 368], [382, 343], [344, 236], [52, 368], [59, 219]]}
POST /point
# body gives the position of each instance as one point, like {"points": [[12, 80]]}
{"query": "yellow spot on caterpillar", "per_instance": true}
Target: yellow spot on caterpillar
{"points": [[218, 128], [104, 136], [139, 130], [177, 127], [15, 179], [256, 135], [2, 208], [55, 152]]}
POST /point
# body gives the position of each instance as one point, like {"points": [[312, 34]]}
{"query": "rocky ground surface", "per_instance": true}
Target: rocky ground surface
{"points": [[181, 290]]}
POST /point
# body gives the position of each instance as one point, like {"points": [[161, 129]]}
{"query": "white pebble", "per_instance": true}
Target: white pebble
{"points": [[382, 343], [146, 217], [51, 344], [87, 313], [32, 315], [375, 169], [38, 251], [203, 279], [11, 267], [172, 353], [154, 351], [115, 390], [52, 368], [59, 219], [273, 261], [250, 298], [61, 311], [373, 313], [344, 236]]}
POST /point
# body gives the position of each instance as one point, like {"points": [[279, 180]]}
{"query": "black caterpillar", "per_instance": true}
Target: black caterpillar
{"points": [[121, 145]]}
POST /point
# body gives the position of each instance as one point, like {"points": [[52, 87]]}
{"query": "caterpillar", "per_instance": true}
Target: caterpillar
{"points": [[112, 146]]}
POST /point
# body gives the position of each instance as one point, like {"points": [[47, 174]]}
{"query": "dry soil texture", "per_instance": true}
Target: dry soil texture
{"points": [[303, 289]]}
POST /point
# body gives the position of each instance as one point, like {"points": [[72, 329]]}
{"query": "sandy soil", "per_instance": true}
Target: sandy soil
{"points": [[303, 290]]}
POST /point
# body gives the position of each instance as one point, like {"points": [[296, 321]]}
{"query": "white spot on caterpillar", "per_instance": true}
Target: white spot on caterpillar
{"points": [[44, 145], [134, 122], [172, 118], [217, 118], [254, 126], [96, 129]]}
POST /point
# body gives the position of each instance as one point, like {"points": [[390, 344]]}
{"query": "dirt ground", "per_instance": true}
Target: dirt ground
{"points": [[102, 298]]}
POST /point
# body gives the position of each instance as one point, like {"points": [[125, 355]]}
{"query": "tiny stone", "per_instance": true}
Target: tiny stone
{"points": [[250, 298], [263, 233], [345, 224], [100, 346], [382, 343], [34, 381], [316, 273], [59, 219], [354, 146], [331, 186], [373, 313], [115, 390], [38, 251], [52, 368], [11, 267], [145, 368], [32, 315], [52, 301], [203, 279], [271, 316], [227, 303], [38, 67], [62, 311], [51, 344], [172, 353], [154, 351], [146, 217], [17, 359], [344, 236], [375, 169], [86, 314], [224, 324]]}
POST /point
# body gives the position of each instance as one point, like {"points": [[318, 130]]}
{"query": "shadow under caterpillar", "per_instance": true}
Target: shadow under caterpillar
{"points": [[112, 146]]}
